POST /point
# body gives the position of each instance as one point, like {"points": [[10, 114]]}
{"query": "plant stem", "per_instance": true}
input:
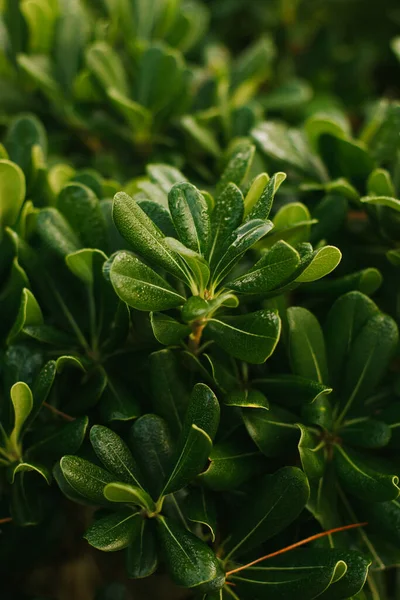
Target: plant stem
{"points": [[58, 412], [195, 336], [296, 545]]}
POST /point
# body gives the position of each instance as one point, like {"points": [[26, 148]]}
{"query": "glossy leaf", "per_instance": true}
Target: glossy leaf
{"points": [[274, 431], [324, 261], [252, 337], [66, 439], [193, 448], [141, 557], [126, 493], [226, 217], [291, 390], [168, 331], [169, 394], [12, 192], [365, 477], [141, 287], [115, 531], [152, 446], [190, 562], [232, 462], [200, 508], [277, 500], [306, 345], [190, 216], [241, 240], [114, 454], [81, 208], [144, 237], [262, 207], [85, 478], [275, 266], [238, 165]]}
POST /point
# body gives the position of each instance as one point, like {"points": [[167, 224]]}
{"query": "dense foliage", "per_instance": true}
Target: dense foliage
{"points": [[199, 290]]}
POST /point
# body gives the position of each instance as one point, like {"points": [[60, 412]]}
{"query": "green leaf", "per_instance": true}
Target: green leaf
{"points": [[306, 345], [70, 40], [168, 331], [232, 462], [238, 166], [324, 261], [330, 214], [115, 531], [252, 337], [382, 201], [164, 176], [311, 453], [291, 390], [80, 263], [354, 578], [204, 137], [195, 262], [34, 467], [288, 147], [66, 439], [241, 240], [366, 477], [366, 281], [117, 402], [190, 562], [369, 359], [85, 478], [160, 216], [256, 190], [25, 134], [141, 233], [274, 431], [40, 16], [56, 233], [29, 313], [246, 399], [106, 66], [190, 215], [169, 395], [141, 287], [345, 320], [292, 223], [271, 271], [263, 206], [277, 500], [114, 454], [345, 158], [12, 192], [126, 493], [380, 183], [22, 401], [195, 442], [141, 557], [152, 447], [200, 508], [225, 218], [81, 207], [365, 433], [304, 574], [137, 116]]}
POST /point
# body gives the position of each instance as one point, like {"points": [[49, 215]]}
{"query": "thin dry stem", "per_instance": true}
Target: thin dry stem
{"points": [[296, 545]]}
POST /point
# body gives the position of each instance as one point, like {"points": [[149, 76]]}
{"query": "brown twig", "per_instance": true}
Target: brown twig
{"points": [[296, 545], [5, 520], [59, 412], [195, 336]]}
